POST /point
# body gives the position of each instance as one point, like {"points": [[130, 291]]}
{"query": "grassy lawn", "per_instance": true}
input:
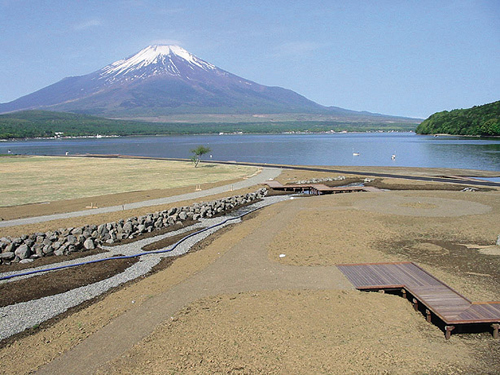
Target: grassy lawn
{"points": [[46, 179]]}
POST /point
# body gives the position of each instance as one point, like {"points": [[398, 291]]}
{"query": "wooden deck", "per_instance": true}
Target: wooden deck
{"points": [[317, 189], [424, 290]]}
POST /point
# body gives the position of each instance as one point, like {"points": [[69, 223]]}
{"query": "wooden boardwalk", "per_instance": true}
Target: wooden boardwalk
{"points": [[424, 290], [317, 189]]}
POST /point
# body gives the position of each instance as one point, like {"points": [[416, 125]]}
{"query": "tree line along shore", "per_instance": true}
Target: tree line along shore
{"points": [[47, 124]]}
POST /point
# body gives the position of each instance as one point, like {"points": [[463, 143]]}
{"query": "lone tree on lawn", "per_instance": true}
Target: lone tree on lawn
{"points": [[198, 153]]}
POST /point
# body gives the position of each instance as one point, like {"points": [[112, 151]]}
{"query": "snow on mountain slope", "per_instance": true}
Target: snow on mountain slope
{"points": [[161, 58]]}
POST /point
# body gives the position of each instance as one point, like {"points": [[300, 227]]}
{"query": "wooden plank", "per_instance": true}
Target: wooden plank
{"points": [[481, 313], [440, 299]]}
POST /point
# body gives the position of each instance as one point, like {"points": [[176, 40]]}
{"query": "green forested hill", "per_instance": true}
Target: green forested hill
{"points": [[32, 124], [481, 120]]}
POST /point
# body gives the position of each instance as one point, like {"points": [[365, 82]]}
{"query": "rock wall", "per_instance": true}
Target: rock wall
{"points": [[319, 180], [64, 241]]}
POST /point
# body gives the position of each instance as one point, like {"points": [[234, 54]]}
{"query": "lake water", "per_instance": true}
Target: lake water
{"points": [[375, 149]]}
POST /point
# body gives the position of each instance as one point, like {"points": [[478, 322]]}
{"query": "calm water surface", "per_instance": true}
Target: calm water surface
{"points": [[375, 149]]}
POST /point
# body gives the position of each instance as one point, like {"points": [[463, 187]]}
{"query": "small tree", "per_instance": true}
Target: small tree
{"points": [[198, 153]]}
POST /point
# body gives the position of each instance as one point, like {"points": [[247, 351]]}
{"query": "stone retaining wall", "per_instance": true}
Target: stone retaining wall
{"points": [[64, 241]]}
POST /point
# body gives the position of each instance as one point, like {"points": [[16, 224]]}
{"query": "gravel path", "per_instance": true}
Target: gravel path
{"points": [[244, 267], [18, 317], [264, 175]]}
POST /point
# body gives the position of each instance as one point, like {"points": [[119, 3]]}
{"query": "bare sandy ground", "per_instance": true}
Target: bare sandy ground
{"points": [[264, 296]]}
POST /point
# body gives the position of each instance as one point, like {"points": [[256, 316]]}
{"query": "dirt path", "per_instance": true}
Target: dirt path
{"points": [[245, 267]]}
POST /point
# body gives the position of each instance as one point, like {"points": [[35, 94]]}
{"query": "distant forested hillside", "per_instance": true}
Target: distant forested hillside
{"points": [[481, 120], [33, 124]]}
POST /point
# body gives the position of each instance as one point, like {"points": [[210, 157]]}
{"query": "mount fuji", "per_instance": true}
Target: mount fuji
{"points": [[163, 80]]}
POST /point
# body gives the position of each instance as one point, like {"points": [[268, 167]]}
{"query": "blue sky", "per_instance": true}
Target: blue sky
{"points": [[409, 58]]}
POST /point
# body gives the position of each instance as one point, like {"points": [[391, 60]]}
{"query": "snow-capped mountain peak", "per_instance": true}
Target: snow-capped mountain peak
{"points": [[159, 80], [157, 59]]}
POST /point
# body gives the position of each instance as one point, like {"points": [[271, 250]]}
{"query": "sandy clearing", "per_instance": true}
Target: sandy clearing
{"points": [[270, 332], [422, 206], [279, 326]]}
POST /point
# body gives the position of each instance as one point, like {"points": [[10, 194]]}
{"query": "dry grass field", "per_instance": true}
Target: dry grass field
{"points": [[46, 179]]}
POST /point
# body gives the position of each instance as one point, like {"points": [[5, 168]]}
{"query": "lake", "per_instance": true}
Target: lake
{"points": [[338, 149]]}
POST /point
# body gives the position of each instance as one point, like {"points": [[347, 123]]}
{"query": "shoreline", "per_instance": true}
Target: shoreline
{"points": [[99, 136], [200, 134]]}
